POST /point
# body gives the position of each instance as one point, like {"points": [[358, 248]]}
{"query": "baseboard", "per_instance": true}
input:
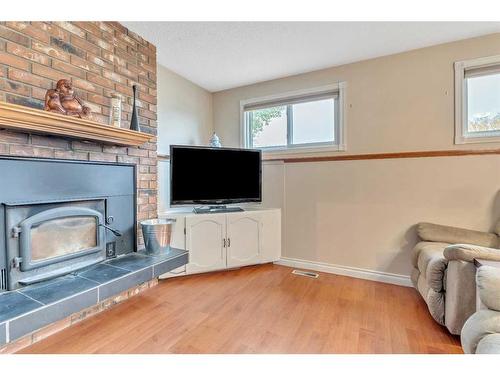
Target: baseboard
{"points": [[359, 273]]}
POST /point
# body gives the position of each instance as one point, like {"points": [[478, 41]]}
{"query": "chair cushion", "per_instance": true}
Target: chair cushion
{"points": [[489, 344], [431, 263], [488, 283], [477, 327]]}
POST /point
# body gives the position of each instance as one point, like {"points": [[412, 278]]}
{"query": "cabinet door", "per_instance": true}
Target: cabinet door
{"points": [[243, 238], [205, 237]]}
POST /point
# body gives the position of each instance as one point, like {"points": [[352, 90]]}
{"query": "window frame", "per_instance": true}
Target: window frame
{"points": [[462, 134], [336, 90]]}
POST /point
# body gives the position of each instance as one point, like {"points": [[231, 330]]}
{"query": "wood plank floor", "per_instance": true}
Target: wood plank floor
{"points": [[260, 309]]}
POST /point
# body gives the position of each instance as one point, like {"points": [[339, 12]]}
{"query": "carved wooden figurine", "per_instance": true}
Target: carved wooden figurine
{"points": [[63, 100]]}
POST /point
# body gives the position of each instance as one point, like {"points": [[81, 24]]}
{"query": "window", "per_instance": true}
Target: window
{"points": [[477, 100], [299, 121]]}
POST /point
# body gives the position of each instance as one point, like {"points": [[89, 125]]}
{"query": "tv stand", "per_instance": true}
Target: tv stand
{"points": [[216, 209], [221, 241]]}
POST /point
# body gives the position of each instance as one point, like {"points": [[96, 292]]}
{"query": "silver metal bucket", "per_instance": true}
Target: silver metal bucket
{"points": [[157, 234]]}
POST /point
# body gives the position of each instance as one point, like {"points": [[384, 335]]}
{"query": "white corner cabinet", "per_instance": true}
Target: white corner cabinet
{"points": [[218, 241]]}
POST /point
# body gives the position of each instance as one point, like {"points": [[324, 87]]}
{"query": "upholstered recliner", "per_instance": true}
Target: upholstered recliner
{"points": [[444, 271], [481, 332]]}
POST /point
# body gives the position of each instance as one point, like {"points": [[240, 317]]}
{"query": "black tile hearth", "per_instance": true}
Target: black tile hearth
{"points": [[58, 289], [33, 307], [13, 304]]}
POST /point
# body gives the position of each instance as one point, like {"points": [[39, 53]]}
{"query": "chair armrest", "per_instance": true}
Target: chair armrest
{"points": [[468, 253], [443, 233], [488, 284]]}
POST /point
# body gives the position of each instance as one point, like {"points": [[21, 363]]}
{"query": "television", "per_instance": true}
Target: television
{"points": [[214, 176]]}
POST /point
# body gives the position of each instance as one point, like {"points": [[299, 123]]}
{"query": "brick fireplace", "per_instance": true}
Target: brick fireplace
{"points": [[100, 58]]}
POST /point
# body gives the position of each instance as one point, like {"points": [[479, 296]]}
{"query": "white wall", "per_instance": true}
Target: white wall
{"points": [[360, 213], [184, 117]]}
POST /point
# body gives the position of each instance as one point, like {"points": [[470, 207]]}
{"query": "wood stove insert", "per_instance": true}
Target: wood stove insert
{"points": [[58, 216]]}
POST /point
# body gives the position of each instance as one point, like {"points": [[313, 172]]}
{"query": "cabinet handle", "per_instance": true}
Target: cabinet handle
{"points": [[228, 242], [223, 242]]}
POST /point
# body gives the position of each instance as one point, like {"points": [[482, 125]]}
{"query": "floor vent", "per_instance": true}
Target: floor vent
{"points": [[305, 273], [3, 279]]}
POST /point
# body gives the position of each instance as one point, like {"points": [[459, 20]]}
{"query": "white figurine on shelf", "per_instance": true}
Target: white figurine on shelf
{"points": [[214, 141]]}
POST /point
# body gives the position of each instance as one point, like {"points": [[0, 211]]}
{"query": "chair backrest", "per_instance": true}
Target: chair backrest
{"points": [[488, 284]]}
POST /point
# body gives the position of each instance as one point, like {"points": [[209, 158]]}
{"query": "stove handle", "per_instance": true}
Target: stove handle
{"points": [[117, 233]]}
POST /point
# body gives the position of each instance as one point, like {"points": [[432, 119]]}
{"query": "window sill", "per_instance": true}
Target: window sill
{"points": [[461, 140], [273, 153]]}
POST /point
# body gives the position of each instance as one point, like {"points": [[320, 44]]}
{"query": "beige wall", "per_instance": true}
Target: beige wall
{"points": [[401, 102], [359, 213], [184, 111], [184, 117]]}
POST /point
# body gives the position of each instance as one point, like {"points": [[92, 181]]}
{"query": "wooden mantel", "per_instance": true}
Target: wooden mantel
{"points": [[29, 120]]}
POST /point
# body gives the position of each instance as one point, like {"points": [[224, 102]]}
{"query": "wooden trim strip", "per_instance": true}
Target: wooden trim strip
{"points": [[13, 116], [389, 155], [163, 157]]}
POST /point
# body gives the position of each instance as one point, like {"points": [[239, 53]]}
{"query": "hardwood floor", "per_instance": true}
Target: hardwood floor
{"points": [[260, 309]]}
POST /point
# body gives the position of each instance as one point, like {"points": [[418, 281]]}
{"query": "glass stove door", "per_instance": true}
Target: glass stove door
{"points": [[60, 234]]}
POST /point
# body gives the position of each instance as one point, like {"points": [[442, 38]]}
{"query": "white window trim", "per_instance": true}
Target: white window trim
{"points": [[462, 136], [340, 87]]}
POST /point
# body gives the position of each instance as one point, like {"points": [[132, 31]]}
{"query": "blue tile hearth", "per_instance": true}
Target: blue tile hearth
{"points": [[124, 283], [133, 262], [102, 273], [38, 305], [14, 304], [3, 334], [52, 313], [172, 253], [58, 289], [172, 264]]}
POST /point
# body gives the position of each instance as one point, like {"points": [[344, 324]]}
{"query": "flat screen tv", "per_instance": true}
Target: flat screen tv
{"points": [[214, 176]]}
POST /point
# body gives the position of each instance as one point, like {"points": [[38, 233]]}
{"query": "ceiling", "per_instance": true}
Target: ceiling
{"points": [[223, 55]]}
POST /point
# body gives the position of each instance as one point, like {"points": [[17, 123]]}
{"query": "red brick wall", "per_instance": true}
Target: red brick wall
{"points": [[100, 58]]}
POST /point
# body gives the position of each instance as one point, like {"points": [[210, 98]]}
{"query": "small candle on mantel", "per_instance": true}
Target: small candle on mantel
{"points": [[115, 116]]}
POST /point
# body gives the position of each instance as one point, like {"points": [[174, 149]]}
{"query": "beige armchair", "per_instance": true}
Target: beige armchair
{"points": [[481, 332], [444, 272]]}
